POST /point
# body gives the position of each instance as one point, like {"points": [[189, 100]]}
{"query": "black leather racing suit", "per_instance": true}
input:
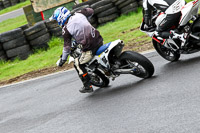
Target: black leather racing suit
{"points": [[170, 7]]}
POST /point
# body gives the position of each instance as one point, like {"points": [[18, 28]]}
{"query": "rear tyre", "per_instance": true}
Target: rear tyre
{"points": [[98, 79], [140, 65], [166, 53]]}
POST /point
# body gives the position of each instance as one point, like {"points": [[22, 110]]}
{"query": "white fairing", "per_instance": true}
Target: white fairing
{"points": [[175, 7], [103, 57], [152, 2], [188, 11]]}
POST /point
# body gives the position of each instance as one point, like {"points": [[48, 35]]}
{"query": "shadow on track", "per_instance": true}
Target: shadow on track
{"points": [[182, 64], [122, 89]]}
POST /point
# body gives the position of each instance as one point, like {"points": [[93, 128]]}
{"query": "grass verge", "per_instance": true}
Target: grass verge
{"points": [[13, 23], [41, 59], [15, 7]]}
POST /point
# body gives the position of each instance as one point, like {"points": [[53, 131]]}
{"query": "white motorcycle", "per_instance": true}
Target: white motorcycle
{"points": [[110, 62], [189, 25]]}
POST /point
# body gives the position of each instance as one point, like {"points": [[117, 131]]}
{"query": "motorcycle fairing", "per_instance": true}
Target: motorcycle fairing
{"points": [[175, 7], [188, 11], [103, 57], [103, 48]]}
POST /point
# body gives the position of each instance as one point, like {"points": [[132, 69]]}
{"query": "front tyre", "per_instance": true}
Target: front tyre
{"points": [[166, 53], [139, 64], [98, 79]]}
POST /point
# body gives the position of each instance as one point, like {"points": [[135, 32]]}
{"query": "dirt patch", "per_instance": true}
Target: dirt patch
{"points": [[133, 29], [139, 46], [38, 73]]}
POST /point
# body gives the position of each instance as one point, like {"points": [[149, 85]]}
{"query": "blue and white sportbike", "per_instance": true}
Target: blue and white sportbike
{"points": [[110, 62]]}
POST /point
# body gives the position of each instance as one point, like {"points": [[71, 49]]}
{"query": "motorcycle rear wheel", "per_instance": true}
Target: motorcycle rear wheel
{"points": [[140, 65], [166, 53], [98, 79]]}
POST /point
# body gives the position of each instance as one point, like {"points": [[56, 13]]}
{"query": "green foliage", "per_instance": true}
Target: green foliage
{"points": [[15, 7]]}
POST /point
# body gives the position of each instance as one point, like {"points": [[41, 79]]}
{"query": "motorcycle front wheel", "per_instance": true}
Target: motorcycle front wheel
{"points": [[166, 53], [98, 79], [139, 65]]}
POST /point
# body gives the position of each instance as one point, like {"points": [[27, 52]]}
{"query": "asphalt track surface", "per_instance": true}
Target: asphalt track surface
{"points": [[12, 14], [169, 102]]}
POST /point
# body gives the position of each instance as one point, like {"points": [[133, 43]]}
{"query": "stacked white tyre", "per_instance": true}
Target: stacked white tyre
{"points": [[15, 44], [126, 6], [53, 28], [105, 11], [38, 36]]}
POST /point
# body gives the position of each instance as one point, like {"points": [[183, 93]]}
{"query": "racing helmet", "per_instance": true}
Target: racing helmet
{"points": [[61, 14]]}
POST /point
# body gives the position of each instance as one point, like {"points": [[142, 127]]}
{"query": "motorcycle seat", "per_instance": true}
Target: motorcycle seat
{"points": [[103, 48]]}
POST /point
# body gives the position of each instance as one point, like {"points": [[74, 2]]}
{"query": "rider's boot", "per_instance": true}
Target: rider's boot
{"points": [[87, 87]]}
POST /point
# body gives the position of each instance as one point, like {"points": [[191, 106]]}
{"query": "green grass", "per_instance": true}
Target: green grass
{"points": [[39, 60], [13, 23], [15, 7], [121, 28]]}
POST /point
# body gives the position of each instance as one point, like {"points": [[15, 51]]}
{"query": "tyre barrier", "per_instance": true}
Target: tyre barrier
{"points": [[14, 2], [38, 36], [14, 44], [2, 53], [140, 2], [1, 5], [105, 11], [108, 10], [126, 6], [54, 29], [7, 3], [23, 41]]}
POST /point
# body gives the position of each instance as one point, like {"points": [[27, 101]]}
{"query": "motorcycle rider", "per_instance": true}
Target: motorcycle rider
{"points": [[76, 26], [170, 18]]}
